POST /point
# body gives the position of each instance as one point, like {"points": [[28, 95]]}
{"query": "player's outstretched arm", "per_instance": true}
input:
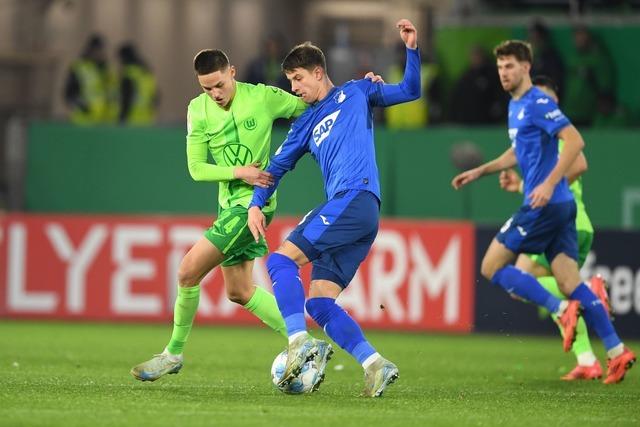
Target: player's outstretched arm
{"points": [[505, 161]]}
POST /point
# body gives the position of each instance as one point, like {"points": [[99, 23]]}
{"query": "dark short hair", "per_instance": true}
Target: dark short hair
{"points": [[304, 55], [209, 61], [545, 81], [521, 50]]}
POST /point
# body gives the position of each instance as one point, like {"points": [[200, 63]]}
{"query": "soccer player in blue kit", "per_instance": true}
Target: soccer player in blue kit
{"points": [[337, 129], [545, 223]]}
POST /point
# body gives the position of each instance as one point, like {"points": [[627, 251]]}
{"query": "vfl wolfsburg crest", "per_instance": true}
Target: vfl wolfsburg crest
{"points": [[250, 123], [237, 155]]}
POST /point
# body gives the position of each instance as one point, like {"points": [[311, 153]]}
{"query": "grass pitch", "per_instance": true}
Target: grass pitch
{"points": [[63, 374]]}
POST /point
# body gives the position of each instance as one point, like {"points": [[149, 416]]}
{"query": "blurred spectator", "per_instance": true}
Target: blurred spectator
{"points": [[478, 97], [610, 113], [138, 88], [266, 67], [415, 114], [546, 60], [90, 88], [590, 73], [342, 56]]}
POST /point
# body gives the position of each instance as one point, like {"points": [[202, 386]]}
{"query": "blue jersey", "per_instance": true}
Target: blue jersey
{"points": [[534, 123], [338, 132]]}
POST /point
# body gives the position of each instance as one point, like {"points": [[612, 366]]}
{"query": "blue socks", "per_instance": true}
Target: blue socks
{"points": [[525, 286], [340, 327], [596, 316], [336, 323], [287, 287]]}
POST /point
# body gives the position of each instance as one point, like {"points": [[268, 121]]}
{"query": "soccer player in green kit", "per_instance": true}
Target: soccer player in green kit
{"points": [[588, 367], [232, 121]]}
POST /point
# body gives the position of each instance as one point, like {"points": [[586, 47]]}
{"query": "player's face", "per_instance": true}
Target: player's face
{"points": [[512, 72], [306, 84], [219, 85]]}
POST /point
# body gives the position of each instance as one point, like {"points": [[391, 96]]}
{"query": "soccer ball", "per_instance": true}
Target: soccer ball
{"points": [[303, 383]]}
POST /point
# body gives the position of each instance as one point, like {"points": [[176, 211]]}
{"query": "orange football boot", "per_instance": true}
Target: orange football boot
{"points": [[599, 287], [568, 322], [618, 366], [580, 372]]}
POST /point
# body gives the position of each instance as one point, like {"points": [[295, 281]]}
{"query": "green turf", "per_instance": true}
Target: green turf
{"points": [[57, 374]]}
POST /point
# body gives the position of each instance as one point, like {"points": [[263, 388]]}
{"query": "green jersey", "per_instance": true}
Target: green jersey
{"points": [[583, 223], [238, 136]]}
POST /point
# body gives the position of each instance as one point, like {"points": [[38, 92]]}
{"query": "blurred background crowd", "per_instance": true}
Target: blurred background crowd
{"points": [[93, 61], [129, 62]]}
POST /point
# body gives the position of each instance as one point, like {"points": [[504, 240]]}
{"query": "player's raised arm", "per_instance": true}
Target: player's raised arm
{"points": [[408, 33], [409, 89]]}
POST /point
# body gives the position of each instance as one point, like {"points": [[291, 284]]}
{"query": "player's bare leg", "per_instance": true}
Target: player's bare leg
{"points": [[199, 261], [240, 288], [495, 267]]}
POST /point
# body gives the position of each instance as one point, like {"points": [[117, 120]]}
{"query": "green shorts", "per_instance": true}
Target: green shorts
{"points": [[585, 240], [230, 233]]}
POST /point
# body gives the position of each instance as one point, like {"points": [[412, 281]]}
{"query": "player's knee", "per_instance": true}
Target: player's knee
{"points": [[239, 296], [277, 262], [566, 286], [187, 274], [487, 269]]}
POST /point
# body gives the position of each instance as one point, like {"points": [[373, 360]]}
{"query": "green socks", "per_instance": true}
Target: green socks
{"points": [[582, 343], [263, 305], [184, 312]]}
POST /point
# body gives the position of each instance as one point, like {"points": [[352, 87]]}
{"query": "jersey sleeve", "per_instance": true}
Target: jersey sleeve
{"points": [[409, 89], [546, 115], [282, 104], [282, 161], [198, 148]]}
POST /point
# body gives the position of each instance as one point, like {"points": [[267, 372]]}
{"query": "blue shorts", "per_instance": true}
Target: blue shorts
{"points": [[549, 230], [337, 235]]}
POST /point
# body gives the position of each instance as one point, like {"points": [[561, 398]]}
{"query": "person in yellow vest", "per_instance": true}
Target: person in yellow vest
{"points": [[414, 114], [138, 89], [89, 87]]}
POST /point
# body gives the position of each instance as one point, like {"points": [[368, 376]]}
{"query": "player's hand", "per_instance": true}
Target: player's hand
{"points": [[465, 178], [408, 33], [257, 223], [541, 195], [375, 78], [510, 180], [253, 175]]}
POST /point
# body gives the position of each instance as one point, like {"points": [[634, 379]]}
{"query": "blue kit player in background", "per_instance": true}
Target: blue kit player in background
{"points": [[337, 129], [545, 223]]}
